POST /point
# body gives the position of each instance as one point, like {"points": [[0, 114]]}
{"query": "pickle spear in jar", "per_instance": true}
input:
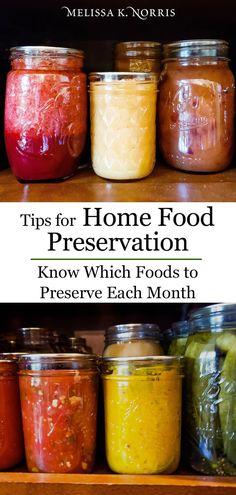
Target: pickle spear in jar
{"points": [[227, 395]]}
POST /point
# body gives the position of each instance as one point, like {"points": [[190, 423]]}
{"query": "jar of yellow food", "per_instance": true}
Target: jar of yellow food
{"points": [[133, 339], [142, 402], [123, 124]]}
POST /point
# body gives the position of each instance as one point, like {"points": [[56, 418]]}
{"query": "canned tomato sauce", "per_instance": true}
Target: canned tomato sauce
{"points": [[45, 112], [59, 410], [11, 436]]}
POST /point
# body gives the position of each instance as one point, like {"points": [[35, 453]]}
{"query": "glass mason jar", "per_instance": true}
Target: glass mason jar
{"points": [[59, 410], [132, 339], [7, 343], [35, 340], [73, 344], [196, 106], [11, 436], [138, 56], [142, 401], [180, 334], [210, 395], [166, 338], [45, 112], [123, 124]]}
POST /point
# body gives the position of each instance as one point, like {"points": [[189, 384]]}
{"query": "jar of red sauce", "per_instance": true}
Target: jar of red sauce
{"points": [[59, 410], [196, 106], [45, 112], [11, 436]]}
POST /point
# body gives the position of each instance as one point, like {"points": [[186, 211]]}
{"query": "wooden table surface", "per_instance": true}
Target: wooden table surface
{"points": [[114, 484], [164, 184]]}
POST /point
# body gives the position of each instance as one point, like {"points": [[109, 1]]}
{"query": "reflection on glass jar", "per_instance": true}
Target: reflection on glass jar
{"points": [[59, 410], [142, 400], [138, 56], [210, 395], [73, 344], [180, 332], [35, 340], [45, 112], [133, 339], [123, 124], [196, 106], [11, 436]]}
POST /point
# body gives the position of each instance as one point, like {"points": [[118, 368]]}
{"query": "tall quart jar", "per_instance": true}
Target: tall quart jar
{"points": [[133, 339], [196, 106], [45, 112], [11, 435], [142, 401], [138, 56], [123, 124], [180, 332], [210, 395], [59, 410]]}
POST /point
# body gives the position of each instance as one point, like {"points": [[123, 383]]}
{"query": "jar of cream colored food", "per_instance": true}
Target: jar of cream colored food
{"points": [[123, 124], [133, 339]]}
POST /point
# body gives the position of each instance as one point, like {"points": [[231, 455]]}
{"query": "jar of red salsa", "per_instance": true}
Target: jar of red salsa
{"points": [[45, 112], [11, 437], [196, 106], [59, 410]]}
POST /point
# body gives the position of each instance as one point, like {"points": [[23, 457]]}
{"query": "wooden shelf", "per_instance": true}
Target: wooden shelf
{"points": [[164, 184], [21, 483]]}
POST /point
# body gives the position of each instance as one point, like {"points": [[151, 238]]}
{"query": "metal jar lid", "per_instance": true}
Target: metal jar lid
{"points": [[152, 365], [180, 328], [48, 51], [132, 331], [143, 49], [213, 318], [109, 77], [196, 48], [57, 361]]}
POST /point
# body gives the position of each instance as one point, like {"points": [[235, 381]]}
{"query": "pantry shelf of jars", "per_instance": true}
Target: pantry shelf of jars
{"points": [[169, 103], [106, 483], [57, 370]]}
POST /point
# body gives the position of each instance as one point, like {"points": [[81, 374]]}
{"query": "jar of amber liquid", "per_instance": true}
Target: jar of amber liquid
{"points": [[59, 410], [11, 435], [142, 401], [123, 124], [45, 112], [196, 106], [138, 56]]}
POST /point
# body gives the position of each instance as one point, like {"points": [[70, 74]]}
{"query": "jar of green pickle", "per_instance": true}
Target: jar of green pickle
{"points": [[210, 390], [180, 332]]}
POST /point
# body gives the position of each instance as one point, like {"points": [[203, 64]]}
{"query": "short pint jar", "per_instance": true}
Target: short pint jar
{"points": [[123, 124], [142, 402], [45, 112], [196, 106], [59, 410]]}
